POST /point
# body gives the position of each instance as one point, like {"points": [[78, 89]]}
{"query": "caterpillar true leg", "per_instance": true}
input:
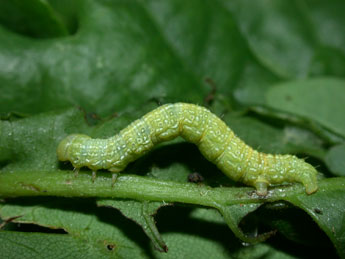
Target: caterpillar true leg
{"points": [[94, 175], [216, 141], [76, 171], [115, 172], [261, 187], [113, 179]]}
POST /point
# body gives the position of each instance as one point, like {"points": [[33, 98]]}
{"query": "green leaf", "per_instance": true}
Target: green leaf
{"points": [[81, 223], [270, 139], [321, 100], [180, 224], [289, 221], [32, 18], [329, 33], [327, 208], [277, 33], [117, 60], [101, 68], [335, 160], [73, 121], [39, 245], [31, 142], [234, 214], [330, 196], [143, 214]]}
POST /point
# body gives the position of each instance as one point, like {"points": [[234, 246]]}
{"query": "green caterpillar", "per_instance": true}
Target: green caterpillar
{"points": [[197, 125]]}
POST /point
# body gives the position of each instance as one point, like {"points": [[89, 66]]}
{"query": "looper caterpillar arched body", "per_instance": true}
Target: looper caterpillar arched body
{"points": [[216, 141]]}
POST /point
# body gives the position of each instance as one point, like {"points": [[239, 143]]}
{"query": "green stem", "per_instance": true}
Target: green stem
{"points": [[64, 184]]}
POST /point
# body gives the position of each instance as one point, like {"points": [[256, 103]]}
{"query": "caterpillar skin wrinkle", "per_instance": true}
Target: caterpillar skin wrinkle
{"points": [[216, 141]]}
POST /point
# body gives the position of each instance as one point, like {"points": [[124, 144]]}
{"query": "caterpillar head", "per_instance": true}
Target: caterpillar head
{"points": [[66, 146]]}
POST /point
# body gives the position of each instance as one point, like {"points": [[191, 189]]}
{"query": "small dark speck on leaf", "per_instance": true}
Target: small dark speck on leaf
{"points": [[110, 247], [318, 211], [195, 178]]}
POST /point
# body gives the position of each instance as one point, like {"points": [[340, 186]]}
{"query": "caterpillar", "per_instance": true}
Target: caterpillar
{"points": [[216, 141]]}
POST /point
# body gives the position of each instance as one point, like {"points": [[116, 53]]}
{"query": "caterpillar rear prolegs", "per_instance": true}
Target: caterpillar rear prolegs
{"points": [[197, 125]]}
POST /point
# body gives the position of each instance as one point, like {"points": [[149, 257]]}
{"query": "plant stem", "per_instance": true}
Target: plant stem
{"points": [[64, 184]]}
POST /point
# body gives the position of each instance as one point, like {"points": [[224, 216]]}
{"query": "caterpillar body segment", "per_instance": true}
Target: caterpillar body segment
{"points": [[216, 141]]}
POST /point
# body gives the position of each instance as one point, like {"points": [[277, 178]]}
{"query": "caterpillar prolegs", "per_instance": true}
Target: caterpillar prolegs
{"points": [[216, 141]]}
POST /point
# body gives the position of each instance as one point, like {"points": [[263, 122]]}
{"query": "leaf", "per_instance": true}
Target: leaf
{"points": [[117, 60], [234, 214], [204, 42], [330, 33], [69, 121], [32, 18], [143, 214], [38, 245], [31, 142], [269, 139], [101, 68], [202, 233], [277, 33], [321, 100], [327, 208], [212, 241], [137, 187], [82, 223], [254, 83], [290, 222], [335, 160]]}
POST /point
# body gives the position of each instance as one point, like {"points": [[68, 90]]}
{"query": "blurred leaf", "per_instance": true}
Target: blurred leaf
{"points": [[282, 139], [321, 100], [328, 18], [277, 33], [32, 18], [335, 160], [110, 64]]}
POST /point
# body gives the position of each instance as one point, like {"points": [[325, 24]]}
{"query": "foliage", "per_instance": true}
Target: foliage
{"points": [[273, 70]]}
